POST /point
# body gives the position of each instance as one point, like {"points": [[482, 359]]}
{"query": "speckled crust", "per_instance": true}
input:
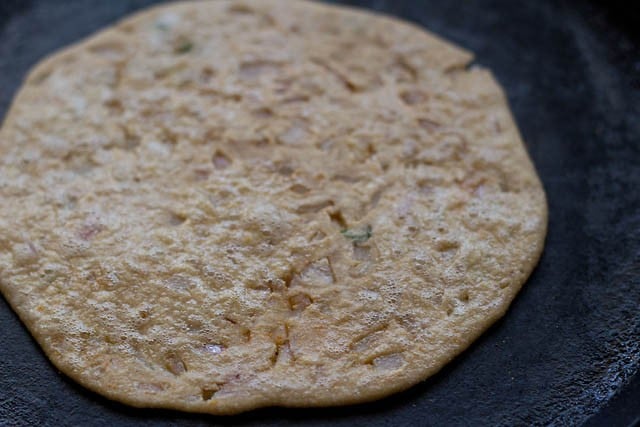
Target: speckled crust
{"points": [[219, 206]]}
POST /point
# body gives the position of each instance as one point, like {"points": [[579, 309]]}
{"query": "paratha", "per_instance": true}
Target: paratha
{"points": [[217, 206]]}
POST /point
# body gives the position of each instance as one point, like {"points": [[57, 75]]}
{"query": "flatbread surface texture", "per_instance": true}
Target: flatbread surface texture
{"points": [[216, 206]]}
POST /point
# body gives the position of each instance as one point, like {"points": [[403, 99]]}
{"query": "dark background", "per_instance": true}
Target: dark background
{"points": [[568, 351]]}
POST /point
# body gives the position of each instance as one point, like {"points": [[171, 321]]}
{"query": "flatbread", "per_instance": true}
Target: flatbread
{"points": [[217, 206]]}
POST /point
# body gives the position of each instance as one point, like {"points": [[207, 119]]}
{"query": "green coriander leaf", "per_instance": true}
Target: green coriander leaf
{"points": [[184, 47], [358, 235]]}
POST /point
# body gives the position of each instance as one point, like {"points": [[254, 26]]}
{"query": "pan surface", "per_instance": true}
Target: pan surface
{"points": [[568, 350]]}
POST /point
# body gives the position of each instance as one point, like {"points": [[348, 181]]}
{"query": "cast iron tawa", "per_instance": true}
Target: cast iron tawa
{"points": [[568, 350]]}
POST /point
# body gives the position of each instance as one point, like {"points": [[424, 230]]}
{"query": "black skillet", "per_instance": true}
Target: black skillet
{"points": [[568, 351]]}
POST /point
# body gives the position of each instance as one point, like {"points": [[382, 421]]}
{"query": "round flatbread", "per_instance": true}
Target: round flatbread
{"points": [[217, 206]]}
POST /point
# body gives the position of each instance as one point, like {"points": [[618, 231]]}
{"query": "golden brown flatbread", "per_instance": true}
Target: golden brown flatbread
{"points": [[216, 206]]}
